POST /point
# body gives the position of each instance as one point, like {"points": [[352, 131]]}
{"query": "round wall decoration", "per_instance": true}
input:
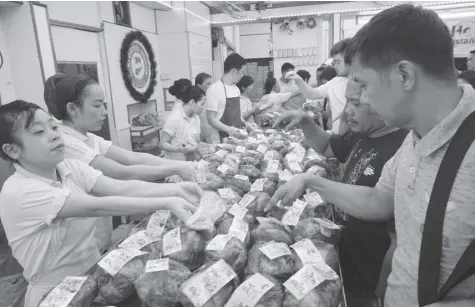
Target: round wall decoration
{"points": [[138, 66]]}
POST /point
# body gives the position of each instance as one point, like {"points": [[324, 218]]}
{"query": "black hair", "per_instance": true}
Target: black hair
{"points": [[192, 92], [244, 83], [61, 90], [328, 73], [179, 88], [270, 83], [340, 47], [305, 75], [472, 52], [233, 61], [10, 115], [321, 68], [469, 76], [405, 32], [201, 78], [286, 67]]}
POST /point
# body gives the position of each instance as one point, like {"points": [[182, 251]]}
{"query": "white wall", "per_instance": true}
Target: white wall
{"points": [[79, 12], [255, 40], [7, 90], [142, 18], [21, 46]]}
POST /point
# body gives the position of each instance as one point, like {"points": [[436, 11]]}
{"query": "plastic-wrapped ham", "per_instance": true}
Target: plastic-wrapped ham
{"points": [[270, 229], [317, 229], [230, 249], [78, 291], [258, 290], [159, 284], [312, 158], [271, 258]]}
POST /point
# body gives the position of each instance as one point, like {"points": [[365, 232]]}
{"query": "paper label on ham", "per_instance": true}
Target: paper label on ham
{"points": [[221, 153], [285, 175], [223, 168], [172, 242], [240, 149], [238, 211], [252, 140], [275, 250], [64, 293], [199, 289], [272, 166], [218, 242], [292, 216], [268, 156], [242, 177], [307, 251], [141, 239], [117, 258], [158, 220], [309, 277], [313, 199], [157, 265], [258, 185], [226, 193], [262, 149], [247, 200], [239, 229], [250, 292]]}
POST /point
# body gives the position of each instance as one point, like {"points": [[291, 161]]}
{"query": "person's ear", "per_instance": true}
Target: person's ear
{"points": [[12, 150], [407, 74], [71, 108]]}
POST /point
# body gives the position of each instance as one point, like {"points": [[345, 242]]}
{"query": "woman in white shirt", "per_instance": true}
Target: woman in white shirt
{"points": [[274, 100], [246, 85], [181, 132], [47, 204], [80, 103], [204, 81]]}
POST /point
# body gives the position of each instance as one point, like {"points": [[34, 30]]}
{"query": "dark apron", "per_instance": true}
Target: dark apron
{"points": [[232, 113]]}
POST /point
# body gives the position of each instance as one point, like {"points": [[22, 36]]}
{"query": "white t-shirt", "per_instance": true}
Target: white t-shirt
{"points": [[47, 248], [288, 87], [182, 129], [334, 90]]}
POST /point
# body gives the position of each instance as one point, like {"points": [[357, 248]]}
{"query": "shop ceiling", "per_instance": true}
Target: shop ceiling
{"points": [[235, 7]]}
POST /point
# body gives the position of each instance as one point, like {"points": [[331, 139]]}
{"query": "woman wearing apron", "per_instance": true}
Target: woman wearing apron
{"points": [[223, 108], [80, 103], [47, 208]]}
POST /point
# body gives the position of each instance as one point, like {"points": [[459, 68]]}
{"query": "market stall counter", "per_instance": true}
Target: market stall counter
{"points": [[230, 253]]}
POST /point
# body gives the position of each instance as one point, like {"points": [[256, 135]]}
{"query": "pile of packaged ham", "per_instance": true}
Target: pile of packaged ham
{"points": [[242, 256]]}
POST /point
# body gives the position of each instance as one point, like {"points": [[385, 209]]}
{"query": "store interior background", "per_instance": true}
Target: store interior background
{"points": [[38, 39]]}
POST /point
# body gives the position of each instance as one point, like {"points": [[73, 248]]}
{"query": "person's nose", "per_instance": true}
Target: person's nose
{"points": [[104, 110]]}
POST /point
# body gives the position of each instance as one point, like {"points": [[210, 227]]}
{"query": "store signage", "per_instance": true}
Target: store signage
{"points": [[137, 62], [463, 33]]}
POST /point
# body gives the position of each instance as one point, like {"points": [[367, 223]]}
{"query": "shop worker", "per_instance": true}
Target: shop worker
{"points": [[363, 151], [223, 108], [47, 207], [181, 132], [408, 77], [334, 90], [287, 85], [471, 61], [80, 103], [248, 109], [204, 81]]}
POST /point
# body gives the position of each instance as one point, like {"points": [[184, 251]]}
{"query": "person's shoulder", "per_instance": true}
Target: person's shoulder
{"points": [[216, 87]]}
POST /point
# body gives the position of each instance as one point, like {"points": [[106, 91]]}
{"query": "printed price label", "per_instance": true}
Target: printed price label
{"points": [[247, 200], [218, 243], [117, 258], [243, 132], [258, 185], [269, 156], [285, 175], [200, 288], [250, 292], [275, 250], [242, 177], [238, 211], [307, 251], [172, 242], [262, 138], [307, 278], [221, 153], [313, 199], [239, 229], [240, 149], [292, 216], [327, 227], [252, 140], [295, 167], [311, 114], [158, 220], [64, 293], [157, 265], [271, 131], [141, 239], [272, 166], [262, 149], [223, 168], [226, 193]]}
